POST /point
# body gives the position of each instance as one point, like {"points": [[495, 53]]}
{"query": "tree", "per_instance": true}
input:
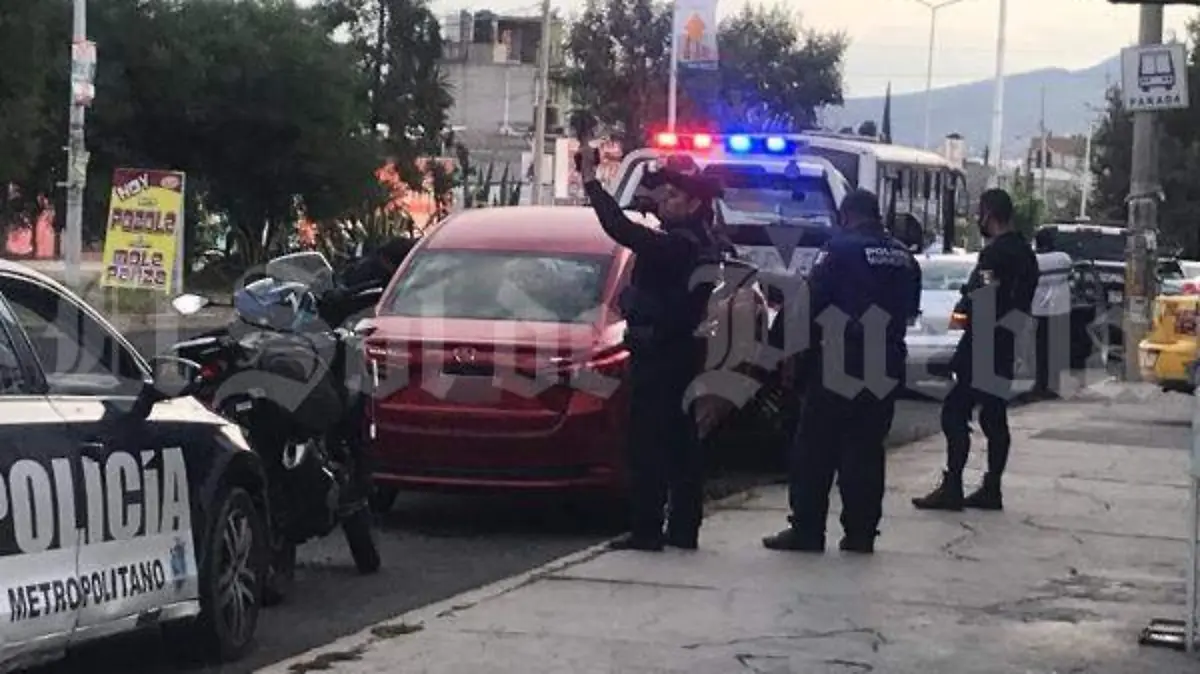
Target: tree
{"points": [[33, 42], [1112, 158], [1179, 162], [399, 46], [772, 73], [868, 128], [770, 63]]}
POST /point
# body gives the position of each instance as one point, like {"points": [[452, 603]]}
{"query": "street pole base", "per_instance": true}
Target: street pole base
{"points": [[1165, 633]]}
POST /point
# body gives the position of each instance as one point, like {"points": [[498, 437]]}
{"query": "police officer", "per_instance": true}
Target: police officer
{"points": [[663, 311], [1003, 282], [862, 268]]}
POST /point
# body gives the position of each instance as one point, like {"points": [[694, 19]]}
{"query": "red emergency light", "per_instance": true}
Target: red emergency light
{"points": [[666, 139]]}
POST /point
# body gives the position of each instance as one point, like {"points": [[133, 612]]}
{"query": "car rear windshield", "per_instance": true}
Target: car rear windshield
{"points": [[1091, 245], [501, 286], [754, 196], [945, 274]]}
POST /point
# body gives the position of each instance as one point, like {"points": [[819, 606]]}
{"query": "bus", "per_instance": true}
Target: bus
{"points": [[911, 183]]}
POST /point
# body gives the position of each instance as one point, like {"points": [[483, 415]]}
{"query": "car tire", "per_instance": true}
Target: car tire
{"points": [[232, 573], [360, 536]]}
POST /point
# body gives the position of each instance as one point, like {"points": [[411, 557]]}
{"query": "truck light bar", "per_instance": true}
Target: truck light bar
{"points": [[738, 143]]}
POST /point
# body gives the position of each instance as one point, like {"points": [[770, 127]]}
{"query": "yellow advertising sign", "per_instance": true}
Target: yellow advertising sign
{"points": [[145, 228]]}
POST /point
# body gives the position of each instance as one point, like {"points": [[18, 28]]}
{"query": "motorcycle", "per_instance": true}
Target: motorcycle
{"points": [[286, 370]]}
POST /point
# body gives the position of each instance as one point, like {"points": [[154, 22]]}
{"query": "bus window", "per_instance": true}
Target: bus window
{"points": [[847, 163]]}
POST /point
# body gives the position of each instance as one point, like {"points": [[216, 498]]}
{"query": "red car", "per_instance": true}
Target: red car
{"points": [[498, 354]]}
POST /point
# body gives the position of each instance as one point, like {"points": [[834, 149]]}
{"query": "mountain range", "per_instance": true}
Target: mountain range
{"points": [[1072, 99]]}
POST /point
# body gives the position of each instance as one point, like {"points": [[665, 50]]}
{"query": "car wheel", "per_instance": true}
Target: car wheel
{"points": [[232, 573]]}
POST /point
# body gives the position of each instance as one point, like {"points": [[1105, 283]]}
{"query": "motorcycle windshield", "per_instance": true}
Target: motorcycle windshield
{"points": [[310, 268]]}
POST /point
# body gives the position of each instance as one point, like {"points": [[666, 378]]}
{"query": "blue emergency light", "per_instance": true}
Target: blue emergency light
{"points": [[745, 144]]}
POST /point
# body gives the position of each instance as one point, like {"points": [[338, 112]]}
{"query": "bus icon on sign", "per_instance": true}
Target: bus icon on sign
{"points": [[1156, 70]]}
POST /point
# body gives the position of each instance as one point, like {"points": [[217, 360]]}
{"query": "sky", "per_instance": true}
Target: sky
{"points": [[889, 38]]}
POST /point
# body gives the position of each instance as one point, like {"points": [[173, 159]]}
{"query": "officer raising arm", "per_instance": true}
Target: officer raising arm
{"points": [[848, 411], [662, 312]]}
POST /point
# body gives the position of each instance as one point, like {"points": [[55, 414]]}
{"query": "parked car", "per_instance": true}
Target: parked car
{"points": [[119, 509], [1168, 354], [498, 351], [1063, 287]]}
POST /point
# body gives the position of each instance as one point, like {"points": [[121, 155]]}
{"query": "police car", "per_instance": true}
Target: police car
{"points": [[119, 507]]}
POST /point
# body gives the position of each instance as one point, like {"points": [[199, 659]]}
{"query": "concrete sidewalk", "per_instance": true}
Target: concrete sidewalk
{"points": [[1090, 549]]}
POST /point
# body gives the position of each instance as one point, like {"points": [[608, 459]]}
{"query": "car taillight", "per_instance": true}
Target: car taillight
{"points": [[958, 321], [1185, 322], [1189, 288]]}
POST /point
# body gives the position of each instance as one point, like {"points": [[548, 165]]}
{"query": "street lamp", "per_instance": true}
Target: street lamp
{"points": [[933, 8]]}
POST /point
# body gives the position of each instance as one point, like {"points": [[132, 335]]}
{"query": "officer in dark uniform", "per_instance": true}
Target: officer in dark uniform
{"points": [[862, 268], [663, 311], [1004, 281]]}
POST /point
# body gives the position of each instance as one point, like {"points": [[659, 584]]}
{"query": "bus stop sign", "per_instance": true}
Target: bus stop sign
{"points": [[1154, 77]]}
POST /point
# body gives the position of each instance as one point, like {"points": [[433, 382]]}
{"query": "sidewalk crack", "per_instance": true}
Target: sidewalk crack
{"points": [[876, 636], [949, 546]]}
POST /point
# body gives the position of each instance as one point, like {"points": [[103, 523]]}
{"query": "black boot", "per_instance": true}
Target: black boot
{"points": [[987, 497], [795, 540], [948, 495], [860, 543], [684, 540]]}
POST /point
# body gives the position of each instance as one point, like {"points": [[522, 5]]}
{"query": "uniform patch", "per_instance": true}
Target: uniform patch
{"points": [[886, 257], [986, 277]]}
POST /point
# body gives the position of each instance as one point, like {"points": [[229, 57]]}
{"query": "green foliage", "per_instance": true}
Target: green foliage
{"points": [[1028, 209], [1179, 163], [773, 73], [269, 115]]}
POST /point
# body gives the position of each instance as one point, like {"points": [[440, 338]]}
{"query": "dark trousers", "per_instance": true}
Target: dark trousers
{"points": [[1052, 346], [957, 409], [843, 437], [666, 466]]}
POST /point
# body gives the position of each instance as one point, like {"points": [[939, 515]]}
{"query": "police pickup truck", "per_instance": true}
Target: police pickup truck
{"points": [[778, 205], [123, 504]]}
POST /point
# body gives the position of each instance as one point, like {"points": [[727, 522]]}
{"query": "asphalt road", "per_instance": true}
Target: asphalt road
{"points": [[433, 546]]}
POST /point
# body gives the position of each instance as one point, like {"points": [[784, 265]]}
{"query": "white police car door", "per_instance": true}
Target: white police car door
{"points": [[134, 503], [42, 592]]}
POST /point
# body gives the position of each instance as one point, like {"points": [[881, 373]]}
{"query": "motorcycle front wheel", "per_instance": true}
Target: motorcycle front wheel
{"points": [[360, 535]]}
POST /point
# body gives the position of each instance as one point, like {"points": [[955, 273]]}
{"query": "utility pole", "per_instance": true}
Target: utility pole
{"points": [[933, 12], [539, 113], [1045, 159], [77, 154], [1085, 187], [673, 75], [997, 144], [1140, 280]]}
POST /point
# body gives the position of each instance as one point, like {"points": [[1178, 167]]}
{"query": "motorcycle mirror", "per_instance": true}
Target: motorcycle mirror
{"points": [[189, 304], [174, 377]]}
